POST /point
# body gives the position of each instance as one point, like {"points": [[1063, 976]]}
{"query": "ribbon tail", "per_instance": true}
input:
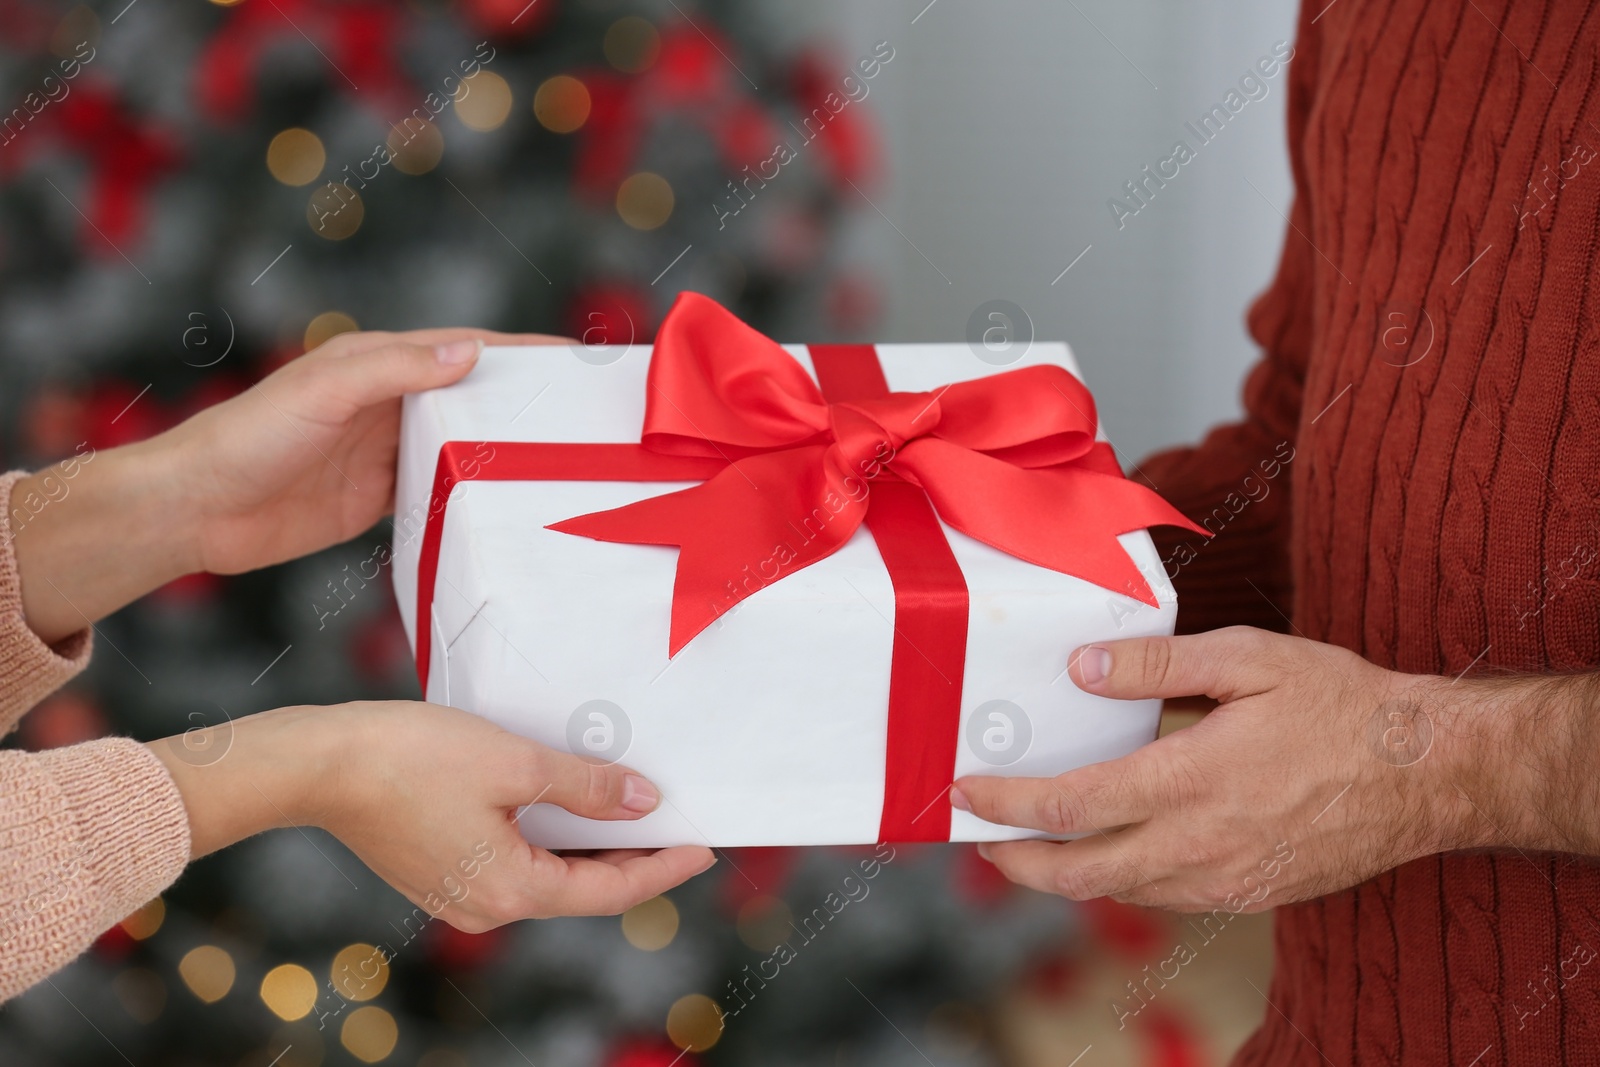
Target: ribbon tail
{"points": [[760, 519], [1065, 518]]}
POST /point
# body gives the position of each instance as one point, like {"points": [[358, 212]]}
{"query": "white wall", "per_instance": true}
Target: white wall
{"points": [[1009, 125]]}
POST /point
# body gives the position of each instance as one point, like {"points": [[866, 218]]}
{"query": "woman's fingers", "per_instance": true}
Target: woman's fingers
{"points": [[592, 790], [584, 885], [353, 343]]}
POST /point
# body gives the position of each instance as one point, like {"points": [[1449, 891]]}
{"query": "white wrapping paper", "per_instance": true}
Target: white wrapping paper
{"points": [[770, 727]]}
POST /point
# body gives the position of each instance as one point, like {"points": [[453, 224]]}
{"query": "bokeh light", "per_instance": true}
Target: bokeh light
{"points": [[369, 1034], [289, 991], [561, 104], [146, 921], [652, 925], [645, 200], [694, 1022], [415, 146], [208, 972], [326, 326], [483, 101], [763, 923], [632, 44], [335, 211], [296, 156], [142, 994], [359, 972]]}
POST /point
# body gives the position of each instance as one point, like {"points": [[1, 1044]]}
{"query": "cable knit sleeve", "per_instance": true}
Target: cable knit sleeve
{"points": [[1235, 483], [87, 833]]}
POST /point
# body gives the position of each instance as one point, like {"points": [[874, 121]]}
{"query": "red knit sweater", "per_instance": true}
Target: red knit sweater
{"points": [[1432, 357]]}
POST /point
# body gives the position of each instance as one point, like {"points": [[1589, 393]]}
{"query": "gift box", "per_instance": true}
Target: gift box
{"points": [[801, 588]]}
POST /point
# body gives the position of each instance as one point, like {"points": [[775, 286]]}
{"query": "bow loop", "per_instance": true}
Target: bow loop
{"points": [[717, 387], [1009, 459]]}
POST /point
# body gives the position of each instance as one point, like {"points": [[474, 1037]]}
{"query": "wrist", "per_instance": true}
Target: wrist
{"points": [[95, 532], [240, 777], [1517, 754]]}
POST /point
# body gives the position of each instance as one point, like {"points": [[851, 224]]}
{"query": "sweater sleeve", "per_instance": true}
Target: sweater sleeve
{"points": [[30, 670], [1235, 483], [87, 833]]}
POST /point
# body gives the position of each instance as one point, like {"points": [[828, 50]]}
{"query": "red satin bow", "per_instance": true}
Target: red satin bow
{"points": [[1009, 459]]}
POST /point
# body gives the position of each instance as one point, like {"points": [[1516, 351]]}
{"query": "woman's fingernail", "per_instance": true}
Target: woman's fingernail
{"points": [[983, 850], [639, 795], [958, 799], [1094, 663], [458, 352]]}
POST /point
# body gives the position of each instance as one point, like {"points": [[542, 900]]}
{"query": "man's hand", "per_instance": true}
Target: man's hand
{"points": [[1312, 754]]}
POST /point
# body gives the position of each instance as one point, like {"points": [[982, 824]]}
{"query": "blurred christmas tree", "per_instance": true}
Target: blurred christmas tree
{"points": [[191, 194]]}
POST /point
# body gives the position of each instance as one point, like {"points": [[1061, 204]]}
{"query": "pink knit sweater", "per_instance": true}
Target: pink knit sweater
{"points": [[88, 833]]}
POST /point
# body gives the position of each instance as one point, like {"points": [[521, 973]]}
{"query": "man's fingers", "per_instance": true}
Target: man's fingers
{"points": [[583, 885], [592, 790], [1096, 797], [1078, 870], [1224, 664]]}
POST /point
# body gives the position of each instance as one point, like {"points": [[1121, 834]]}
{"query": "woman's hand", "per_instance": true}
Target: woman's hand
{"points": [[301, 460], [427, 797], [306, 458]]}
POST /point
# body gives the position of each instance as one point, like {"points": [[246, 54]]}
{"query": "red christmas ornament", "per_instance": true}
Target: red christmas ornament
{"points": [[359, 40], [1172, 1042], [69, 717], [610, 314], [453, 950], [978, 880], [510, 18], [647, 1052], [124, 154], [835, 123], [1132, 932], [753, 872]]}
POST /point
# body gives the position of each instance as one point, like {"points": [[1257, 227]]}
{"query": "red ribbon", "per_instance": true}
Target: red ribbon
{"points": [[789, 471]]}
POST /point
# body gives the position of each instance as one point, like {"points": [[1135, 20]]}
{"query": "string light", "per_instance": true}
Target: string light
{"points": [[142, 993], [652, 925], [208, 972], [359, 972], [296, 156], [334, 211], [483, 101], [694, 1022], [561, 104], [289, 991], [763, 923], [645, 200], [326, 326], [632, 44], [146, 921], [416, 146], [369, 1034]]}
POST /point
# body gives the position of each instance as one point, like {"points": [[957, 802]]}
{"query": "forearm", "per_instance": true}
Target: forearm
{"points": [[1528, 760], [97, 532], [257, 773]]}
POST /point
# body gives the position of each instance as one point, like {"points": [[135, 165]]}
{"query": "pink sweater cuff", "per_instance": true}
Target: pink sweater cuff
{"points": [[29, 669], [90, 833]]}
